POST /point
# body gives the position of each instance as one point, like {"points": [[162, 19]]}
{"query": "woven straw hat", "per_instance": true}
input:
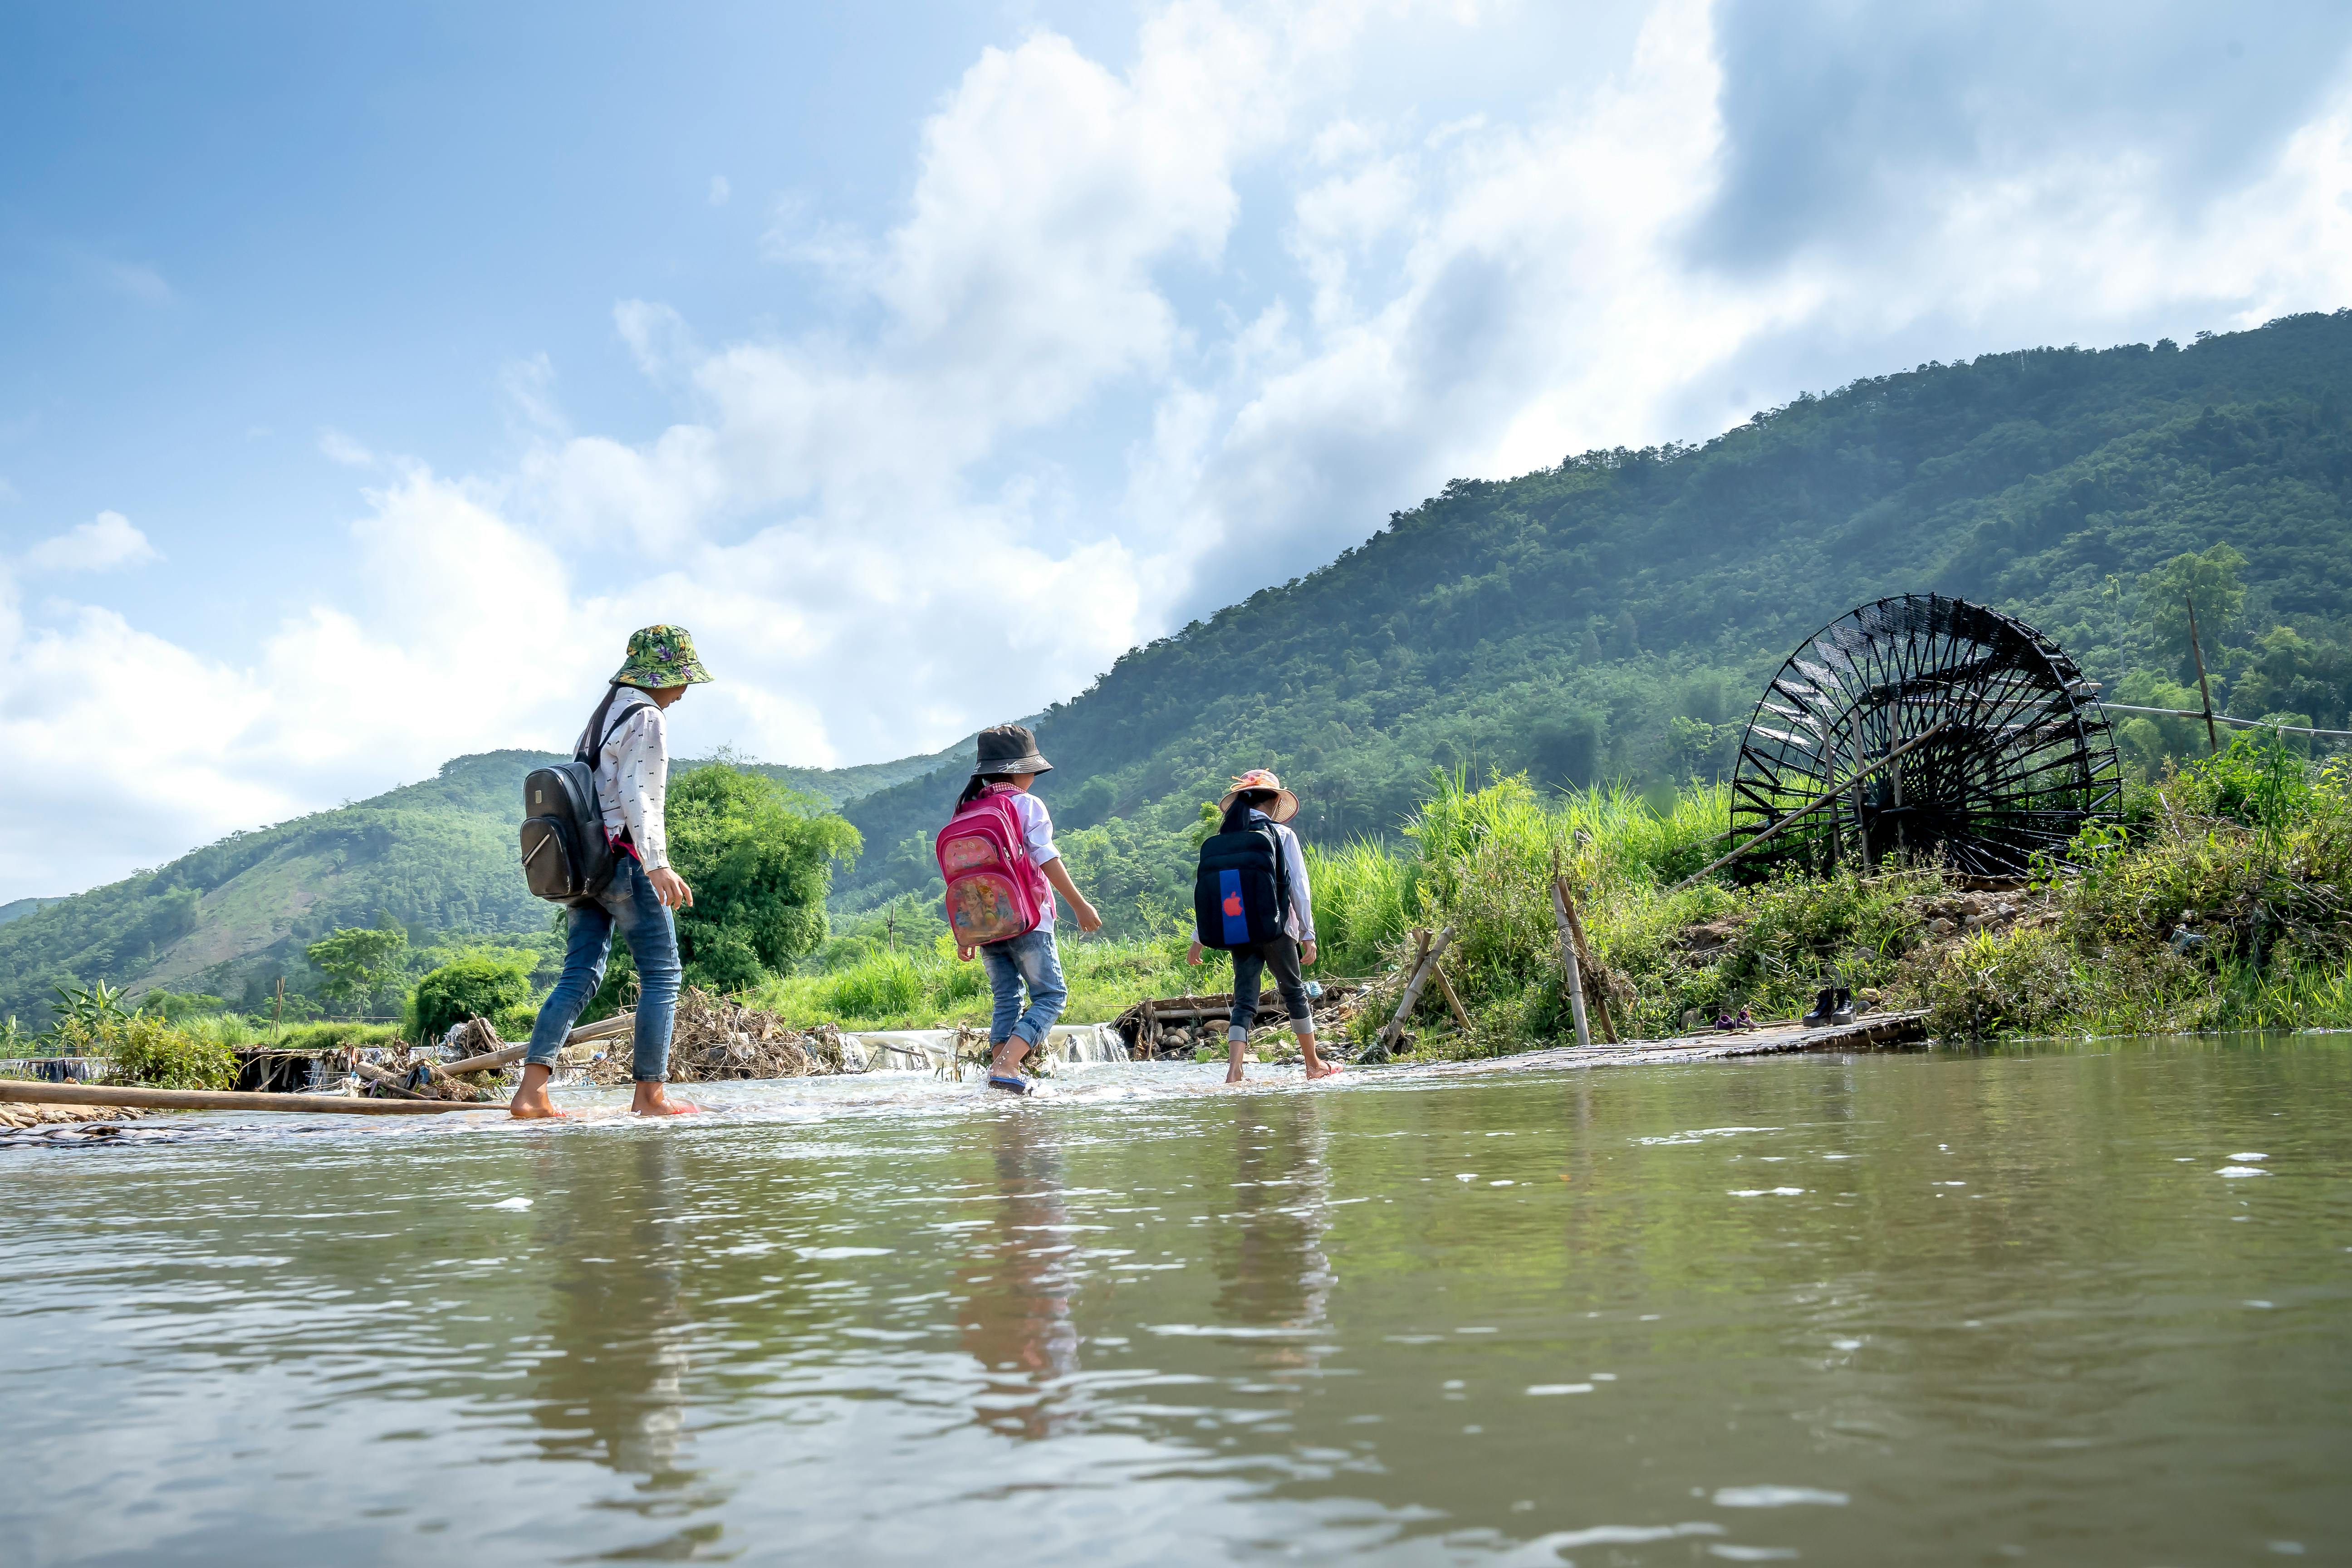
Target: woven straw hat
{"points": [[1282, 807]]}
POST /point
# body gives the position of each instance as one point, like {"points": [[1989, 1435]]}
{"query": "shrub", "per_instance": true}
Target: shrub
{"points": [[480, 986], [146, 1050]]}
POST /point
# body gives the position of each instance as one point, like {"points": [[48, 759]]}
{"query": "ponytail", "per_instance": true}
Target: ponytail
{"points": [[1238, 814], [979, 785]]}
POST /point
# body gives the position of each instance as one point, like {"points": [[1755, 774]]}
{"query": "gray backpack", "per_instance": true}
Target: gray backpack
{"points": [[566, 855]]}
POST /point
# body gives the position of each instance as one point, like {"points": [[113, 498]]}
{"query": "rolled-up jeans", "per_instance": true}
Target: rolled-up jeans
{"points": [[629, 902], [1029, 958], [1250, 964]]}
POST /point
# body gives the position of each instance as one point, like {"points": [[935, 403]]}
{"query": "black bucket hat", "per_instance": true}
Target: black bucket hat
{"points": [[1010, 749]]}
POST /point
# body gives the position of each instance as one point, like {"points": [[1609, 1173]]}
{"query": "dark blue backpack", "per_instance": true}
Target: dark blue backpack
{"points": [[1241, 893]]}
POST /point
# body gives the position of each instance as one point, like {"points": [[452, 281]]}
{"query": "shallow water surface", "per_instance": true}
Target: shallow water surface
{"points": [[2073, 1305]]}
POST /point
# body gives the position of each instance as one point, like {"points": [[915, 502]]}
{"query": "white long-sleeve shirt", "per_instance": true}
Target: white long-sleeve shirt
{"points": [[632, 777], [1300, 921]]}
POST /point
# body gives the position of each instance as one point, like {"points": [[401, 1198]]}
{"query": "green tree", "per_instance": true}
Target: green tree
{"points": [[361, 963], [759, 859], [2212, 580], [479, 985]]}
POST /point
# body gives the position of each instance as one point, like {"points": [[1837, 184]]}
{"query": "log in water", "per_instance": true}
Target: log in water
{"points": [[220, 1100]]}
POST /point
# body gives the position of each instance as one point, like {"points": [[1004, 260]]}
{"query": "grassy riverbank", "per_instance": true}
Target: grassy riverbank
{"points": [[2218, 900]]}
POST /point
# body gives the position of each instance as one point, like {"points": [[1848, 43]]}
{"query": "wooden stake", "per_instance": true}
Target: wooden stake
{"points": [[1431, 952], [1594, 991], [1575, 973], [1452, 1001], [2204, 692]]}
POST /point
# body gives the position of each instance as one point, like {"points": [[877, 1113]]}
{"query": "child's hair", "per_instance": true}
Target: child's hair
{"points": [[1238, 814], [979, 787]]}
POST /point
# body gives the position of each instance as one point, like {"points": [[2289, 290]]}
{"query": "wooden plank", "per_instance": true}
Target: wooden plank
{"points": [[28, 1093]]}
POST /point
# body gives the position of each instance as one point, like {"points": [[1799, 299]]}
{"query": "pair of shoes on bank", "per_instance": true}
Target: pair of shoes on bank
{"points": [[1835, 1006]]}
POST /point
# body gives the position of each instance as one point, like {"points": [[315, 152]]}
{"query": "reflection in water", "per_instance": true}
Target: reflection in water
{"points": [[1019, 1280], [615, 1315], [1271, 1270]]}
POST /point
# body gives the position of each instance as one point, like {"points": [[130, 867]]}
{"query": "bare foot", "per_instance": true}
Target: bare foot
{"points": [[1321, 1069], [652, 1100], [1233, 1070], [1004, 1059], [531, 1102]]}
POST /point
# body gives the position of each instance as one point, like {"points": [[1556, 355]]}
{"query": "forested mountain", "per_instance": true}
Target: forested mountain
{"points": [[1610, 618], [1615, 616], [437, 858]]}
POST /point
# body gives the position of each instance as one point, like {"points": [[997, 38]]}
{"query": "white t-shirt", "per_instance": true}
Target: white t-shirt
{"points": [[1037, 831]]}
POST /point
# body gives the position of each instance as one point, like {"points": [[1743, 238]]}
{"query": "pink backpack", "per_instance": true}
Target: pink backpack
{"points": [[994, 893]]}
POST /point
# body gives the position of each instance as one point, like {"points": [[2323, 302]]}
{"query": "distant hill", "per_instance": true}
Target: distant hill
{"points": [[439, 857], [1611, 617], [1615, 616]]}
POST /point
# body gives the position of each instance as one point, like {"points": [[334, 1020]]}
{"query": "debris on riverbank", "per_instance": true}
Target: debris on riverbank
{"points": [[1173, 1028], [717, 1039]]}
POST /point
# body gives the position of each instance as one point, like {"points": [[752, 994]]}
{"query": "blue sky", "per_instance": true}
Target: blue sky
{"points": [[370, 371]]}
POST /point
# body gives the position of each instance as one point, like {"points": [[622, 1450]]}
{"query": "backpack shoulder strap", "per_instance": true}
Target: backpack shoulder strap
{"points": [[589, 750], [1281, 873]]}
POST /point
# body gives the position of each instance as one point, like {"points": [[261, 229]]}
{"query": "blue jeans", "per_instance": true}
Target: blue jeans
{"points": [[1029, 957], [629, 903]]}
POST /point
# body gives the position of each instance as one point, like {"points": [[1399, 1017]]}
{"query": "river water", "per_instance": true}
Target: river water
{"points": [[2069, 1304]]}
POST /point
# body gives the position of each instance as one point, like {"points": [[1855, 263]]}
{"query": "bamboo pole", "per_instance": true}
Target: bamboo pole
{"points": [[1830, 798], [2226, 718], [1452, 1002], [28, 1093], [1594, 990], [388, 1082], [2204, 692], [505, 1059], [1431, 952], [1575, 986], [1596, 996]]}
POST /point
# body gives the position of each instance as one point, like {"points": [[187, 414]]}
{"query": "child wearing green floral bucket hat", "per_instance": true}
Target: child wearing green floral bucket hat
{"points": [[627, 742]]}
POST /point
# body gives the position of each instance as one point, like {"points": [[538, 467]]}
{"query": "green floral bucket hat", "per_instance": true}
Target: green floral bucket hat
{"points": [[659, 656]]}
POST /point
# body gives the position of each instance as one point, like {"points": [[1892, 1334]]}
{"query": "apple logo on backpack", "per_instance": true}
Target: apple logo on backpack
{"points": [[1233, 905]]}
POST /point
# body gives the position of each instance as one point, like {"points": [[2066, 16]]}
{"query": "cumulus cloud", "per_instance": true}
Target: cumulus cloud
{"points": [[103, 544], [1146, 336]]}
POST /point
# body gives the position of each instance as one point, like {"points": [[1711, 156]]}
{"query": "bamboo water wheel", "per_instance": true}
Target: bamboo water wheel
{"points": [[2015, 758]]}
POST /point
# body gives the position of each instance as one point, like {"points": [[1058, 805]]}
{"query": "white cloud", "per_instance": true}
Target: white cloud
{"points": [[143, 284], [338, 447], [1140, 340], [103, 544], [719, 190]]}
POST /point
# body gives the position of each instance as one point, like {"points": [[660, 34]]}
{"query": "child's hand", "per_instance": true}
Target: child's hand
{"points": [[1306, 952], [1087, 918], [1195, 958], [963, 955]]}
